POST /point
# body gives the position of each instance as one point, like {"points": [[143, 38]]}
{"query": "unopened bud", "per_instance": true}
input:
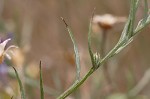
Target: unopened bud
{"points": [[96, 60]]}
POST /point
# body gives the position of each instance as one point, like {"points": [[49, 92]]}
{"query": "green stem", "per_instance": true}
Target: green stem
{"points": [[121, 43], [76, 85], [102, 53], [103, 43]]}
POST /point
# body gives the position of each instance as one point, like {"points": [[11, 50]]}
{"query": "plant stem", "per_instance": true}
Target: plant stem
{"points": [[102, 53], [141, 84], [76, 85], [121, 43], [103, 43], [79, 83]]}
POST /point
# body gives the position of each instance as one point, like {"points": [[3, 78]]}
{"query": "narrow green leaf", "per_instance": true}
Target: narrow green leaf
{"points": [[89, 39], [145, 11], [145, 16], [124, 32], [133, 10], [123, 46], [146, 19], [20, 85], [129, 26], [127, 33], [76, 51], [41, 82], [137, 4], [140, 25]]}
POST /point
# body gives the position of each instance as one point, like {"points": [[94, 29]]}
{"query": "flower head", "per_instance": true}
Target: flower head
{"points": [[107, 21], [4, 50]]}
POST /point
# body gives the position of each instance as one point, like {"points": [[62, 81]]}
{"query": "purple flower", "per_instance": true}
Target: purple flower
{"points": [[3, 72]]}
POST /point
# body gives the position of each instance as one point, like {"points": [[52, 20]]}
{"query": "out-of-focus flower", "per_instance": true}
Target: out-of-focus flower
{"points": [[69, 57], [32, 70], [4, 50], [107, 21], [18, 58]]}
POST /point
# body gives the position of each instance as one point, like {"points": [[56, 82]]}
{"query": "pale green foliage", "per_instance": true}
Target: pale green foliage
{"points": [[20, 85], [76, 51], [127, 36]]}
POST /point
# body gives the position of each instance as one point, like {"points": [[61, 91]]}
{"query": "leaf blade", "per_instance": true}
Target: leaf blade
{"points": [[20, 85], [41, 82], [89, 39], [76, 51]]}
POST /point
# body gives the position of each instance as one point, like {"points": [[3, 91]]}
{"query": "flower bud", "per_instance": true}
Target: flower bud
{"points": [[97, 58]]}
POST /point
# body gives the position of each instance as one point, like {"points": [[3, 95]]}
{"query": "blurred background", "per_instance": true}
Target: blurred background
{"points": [[35, 26]]}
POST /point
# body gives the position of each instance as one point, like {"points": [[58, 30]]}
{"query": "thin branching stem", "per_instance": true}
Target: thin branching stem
{"points": [[141, 84], [102, 54], [126, 37], [76, 85]]}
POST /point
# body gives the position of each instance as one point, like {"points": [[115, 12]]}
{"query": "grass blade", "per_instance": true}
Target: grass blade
{"points": [[41, 82], [20, 85], [76, 51]]}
